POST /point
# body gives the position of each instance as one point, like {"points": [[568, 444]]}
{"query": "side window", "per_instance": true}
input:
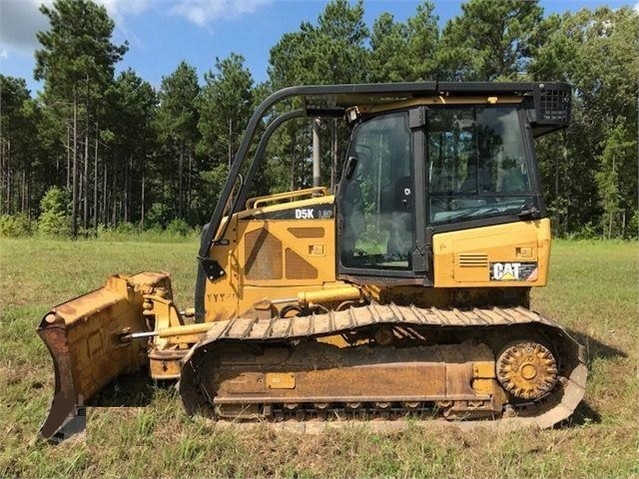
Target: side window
{"points": [[476, 163], [376, 195]]}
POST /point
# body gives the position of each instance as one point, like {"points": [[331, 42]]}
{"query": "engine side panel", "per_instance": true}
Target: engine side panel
{"points": [[273, 252], [513, 254]]}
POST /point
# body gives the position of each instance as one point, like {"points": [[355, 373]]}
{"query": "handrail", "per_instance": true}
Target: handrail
{"points": [[258, 201]]}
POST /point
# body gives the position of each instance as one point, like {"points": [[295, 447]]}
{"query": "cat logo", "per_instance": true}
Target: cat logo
{"points": [[507, 271]]}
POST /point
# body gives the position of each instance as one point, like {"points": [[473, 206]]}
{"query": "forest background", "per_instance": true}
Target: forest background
{"points": [[94, 152]]}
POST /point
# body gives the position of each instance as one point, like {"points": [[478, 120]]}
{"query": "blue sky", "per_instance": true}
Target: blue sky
{"points": [[161, 33]]}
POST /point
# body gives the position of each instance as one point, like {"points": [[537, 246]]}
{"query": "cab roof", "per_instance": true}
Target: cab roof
{"points": [[549, 101]]}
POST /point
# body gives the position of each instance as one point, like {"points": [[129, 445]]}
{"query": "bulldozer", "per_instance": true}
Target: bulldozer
{"points": [[404, 292]]}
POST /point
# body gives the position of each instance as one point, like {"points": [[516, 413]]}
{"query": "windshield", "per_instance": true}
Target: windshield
{"points": [[477, 164]]}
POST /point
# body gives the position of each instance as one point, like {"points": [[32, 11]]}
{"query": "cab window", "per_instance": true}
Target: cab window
{"points": [[476, 163]]}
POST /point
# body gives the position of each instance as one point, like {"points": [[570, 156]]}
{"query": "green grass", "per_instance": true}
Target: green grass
{"points": [[593, 290]]}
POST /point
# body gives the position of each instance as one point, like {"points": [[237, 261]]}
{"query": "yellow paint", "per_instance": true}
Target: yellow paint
{"points": [[280, 380], [485, 387], [163, 314], [500, 243], [260, 201], [182, 330], [235, 292], [337, 294], [95, 324], [161, 369], [337, 340], [484, 369]]}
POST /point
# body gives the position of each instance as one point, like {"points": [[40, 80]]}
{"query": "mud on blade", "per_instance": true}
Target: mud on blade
{"points": [[84, 339]]}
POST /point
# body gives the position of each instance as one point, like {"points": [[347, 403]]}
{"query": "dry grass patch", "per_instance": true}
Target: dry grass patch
{"points": [[593, 291]]}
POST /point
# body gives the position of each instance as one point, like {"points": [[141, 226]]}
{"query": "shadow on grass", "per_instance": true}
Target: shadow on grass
{"points": [[595, 348], [130, 390], [583, 415]]}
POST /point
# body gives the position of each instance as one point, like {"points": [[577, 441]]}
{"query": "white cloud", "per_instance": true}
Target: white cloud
{"points": [[118, 9], [3, 55], [19, 22], [637, 7], [203, 12], [125, 7]]}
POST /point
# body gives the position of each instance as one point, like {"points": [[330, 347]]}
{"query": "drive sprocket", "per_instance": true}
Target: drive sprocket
{"points": [[527, 369]]}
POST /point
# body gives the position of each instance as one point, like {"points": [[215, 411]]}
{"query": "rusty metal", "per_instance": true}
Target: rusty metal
{"points": [[297, 267], [264, 255], [445, 365], [384, 336], [85, 339], [66, 399], [319, 372], [166, 363], [527, 369]]}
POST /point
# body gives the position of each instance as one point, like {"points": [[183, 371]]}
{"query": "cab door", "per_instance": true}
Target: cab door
{"points": [[376, 200]]}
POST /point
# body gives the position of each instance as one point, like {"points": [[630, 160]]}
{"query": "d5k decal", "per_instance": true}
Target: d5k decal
{"points": [[508, 271]]}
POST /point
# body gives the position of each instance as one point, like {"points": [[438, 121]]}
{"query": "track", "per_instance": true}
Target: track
{"points": [[402, 360]]}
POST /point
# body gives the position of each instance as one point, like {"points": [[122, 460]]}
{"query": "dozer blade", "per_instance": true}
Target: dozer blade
{"points": [[85, 339]]}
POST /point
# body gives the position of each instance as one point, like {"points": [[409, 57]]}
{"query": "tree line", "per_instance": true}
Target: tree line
{"points": [[95, 149]]}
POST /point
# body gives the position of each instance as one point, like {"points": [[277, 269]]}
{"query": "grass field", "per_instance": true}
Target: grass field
{"points": [[593, 291]]}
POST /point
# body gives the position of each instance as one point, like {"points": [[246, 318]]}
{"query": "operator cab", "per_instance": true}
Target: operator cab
{"points": [[433, 166]]}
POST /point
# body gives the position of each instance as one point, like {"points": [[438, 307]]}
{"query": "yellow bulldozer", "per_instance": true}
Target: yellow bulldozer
{"points": [[404, 292]]}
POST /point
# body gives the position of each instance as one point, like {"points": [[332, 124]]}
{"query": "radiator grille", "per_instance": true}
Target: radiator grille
{"points": [[297, 267], [553, 105], [263, 255]]}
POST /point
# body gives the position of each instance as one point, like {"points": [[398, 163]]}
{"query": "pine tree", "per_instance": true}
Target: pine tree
{"points": [[76, 62], [176, 123]]}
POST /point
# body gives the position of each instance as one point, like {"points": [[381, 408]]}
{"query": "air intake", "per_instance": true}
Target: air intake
{"points": [[473, 260]]}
